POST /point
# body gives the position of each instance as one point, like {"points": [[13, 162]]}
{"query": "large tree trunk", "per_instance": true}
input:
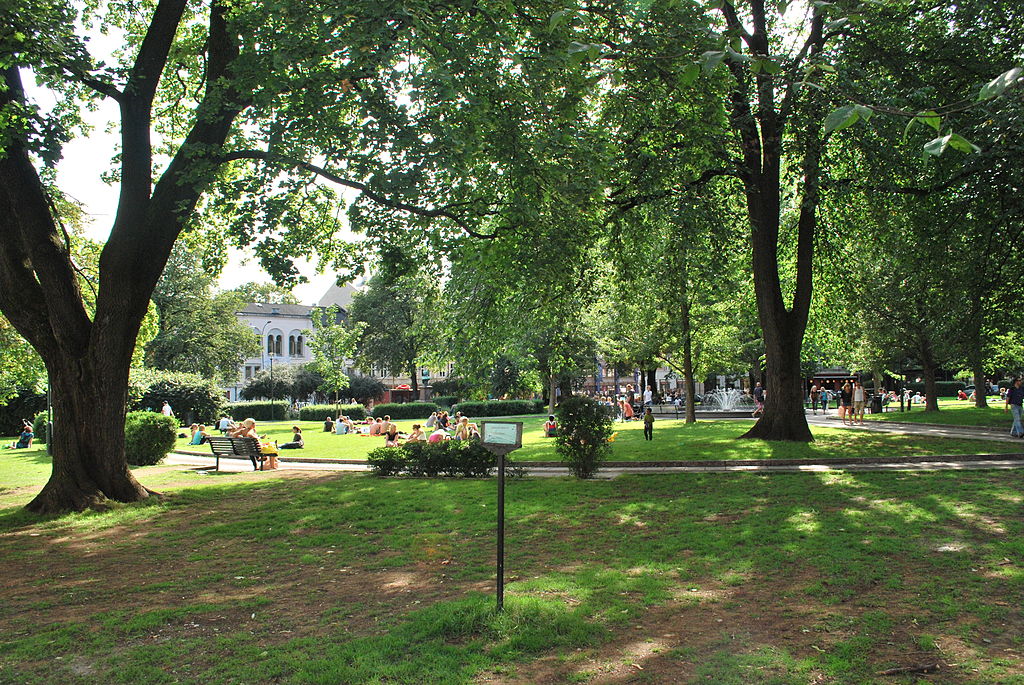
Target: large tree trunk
{"points": [[784, 416], [652, 383], [691, 409], [89, 465], [980, 387], [930, 367]]}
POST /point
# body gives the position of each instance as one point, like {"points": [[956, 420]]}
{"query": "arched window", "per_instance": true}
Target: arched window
{"points": [[277, 346], [270, 344], [291, 345], [298, 347]]}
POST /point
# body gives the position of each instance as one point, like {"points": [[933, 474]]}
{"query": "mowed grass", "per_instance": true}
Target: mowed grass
{"points": [[953, 413], [673, 441], [724, 578]]}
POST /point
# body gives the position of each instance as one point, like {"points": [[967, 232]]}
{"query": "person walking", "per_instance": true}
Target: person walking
{"points": [[758, 400], [815, 397], [824, 401], [648, 424], [1015, 405]]}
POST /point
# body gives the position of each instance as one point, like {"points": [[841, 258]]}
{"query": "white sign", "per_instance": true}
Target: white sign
{"points": [[502, 433]]}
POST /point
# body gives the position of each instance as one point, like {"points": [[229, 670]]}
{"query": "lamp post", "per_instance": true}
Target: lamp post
{"points": [[263, 343]]}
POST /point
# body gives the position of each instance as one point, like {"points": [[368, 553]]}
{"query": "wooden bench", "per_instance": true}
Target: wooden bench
{"points": [[236, 447]]}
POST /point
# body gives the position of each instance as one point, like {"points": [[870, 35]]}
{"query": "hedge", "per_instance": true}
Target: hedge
{"points": [[449, 458], [445, 401], [148, 437], [194, 398], [408, 410], [40, 429], [943, 388], [261, 411], [319, 412], [500, 407]]}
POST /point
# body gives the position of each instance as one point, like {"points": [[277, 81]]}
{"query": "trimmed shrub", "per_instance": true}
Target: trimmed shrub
{"points": [[261, 411], [148, 437], [445, 401], [450, 458], [408, 410], [943, 388], [584, 430], [319, 412], [40, 429], [498, 408]]}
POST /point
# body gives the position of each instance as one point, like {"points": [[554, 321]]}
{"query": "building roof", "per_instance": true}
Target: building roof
{"points": [[340, 295], [268, 309]]}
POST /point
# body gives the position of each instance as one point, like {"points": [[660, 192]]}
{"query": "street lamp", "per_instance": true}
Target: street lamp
{"points": [[263, 343]]}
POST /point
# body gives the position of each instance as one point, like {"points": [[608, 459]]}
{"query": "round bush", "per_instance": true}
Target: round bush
{"points": [[148, 437], [584, 430], [40, 429]]}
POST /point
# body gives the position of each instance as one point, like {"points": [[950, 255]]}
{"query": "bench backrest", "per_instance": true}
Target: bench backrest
{"points": [[235, 446]]}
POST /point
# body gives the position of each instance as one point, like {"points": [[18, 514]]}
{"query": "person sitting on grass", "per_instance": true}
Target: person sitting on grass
{"points": [[462, 429], [296, 443], [328, 425], [25, 439], [391, 436], [431, 420], [199, 435], [550, 427], [378, 427], [417, 434]]}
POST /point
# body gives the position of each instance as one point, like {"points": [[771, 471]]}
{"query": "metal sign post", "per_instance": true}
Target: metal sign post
{"points": [[501, 437]]}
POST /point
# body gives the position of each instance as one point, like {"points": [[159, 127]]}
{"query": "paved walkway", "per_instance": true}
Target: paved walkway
{"points": [[935, 431], [613, 471]]}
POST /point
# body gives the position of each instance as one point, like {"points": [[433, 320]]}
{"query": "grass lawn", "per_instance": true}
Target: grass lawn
{"points": [[345, 578], [953, 413], [673, 440]]}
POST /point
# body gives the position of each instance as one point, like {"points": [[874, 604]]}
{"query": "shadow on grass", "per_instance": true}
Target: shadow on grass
{"points": [[589, 559]]}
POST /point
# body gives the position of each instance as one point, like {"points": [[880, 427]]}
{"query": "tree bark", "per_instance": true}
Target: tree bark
{"points": [[652, 383], [929, 366], [691, 409], [980, 387], [552, 388]]}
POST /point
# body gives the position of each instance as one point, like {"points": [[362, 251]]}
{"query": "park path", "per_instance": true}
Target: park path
{"points": [[612, 471], [931, 430]]}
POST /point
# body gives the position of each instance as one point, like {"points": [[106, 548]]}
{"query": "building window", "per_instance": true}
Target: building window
{"points": [[277, 345], [298, 347], [270, 344], [291, 345]]}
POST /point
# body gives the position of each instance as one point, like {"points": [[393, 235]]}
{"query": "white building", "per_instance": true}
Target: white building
{"points": [[284, 331]]}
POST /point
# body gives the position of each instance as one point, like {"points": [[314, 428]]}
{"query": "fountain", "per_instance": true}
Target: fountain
{"points": [[726, 403]]}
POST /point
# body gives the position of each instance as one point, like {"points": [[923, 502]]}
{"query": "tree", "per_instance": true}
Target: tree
{"points": [[333, 345], [392, 316], [241, 73], [198, 331], [268, 293]]}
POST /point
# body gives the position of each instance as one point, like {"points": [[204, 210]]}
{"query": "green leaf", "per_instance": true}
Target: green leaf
{"points": [[771, 66], [961, 144], [863, 112], [931, 118], [690, 74], [841, 118], [996, 86], [557, 19], [711, 59], [781, 6]]}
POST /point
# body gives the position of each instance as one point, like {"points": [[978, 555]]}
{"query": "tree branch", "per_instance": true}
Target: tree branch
{"points": [[444, 212]]}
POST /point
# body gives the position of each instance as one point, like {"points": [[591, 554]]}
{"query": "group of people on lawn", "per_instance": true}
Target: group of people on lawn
{"points": [[441, 426]]}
